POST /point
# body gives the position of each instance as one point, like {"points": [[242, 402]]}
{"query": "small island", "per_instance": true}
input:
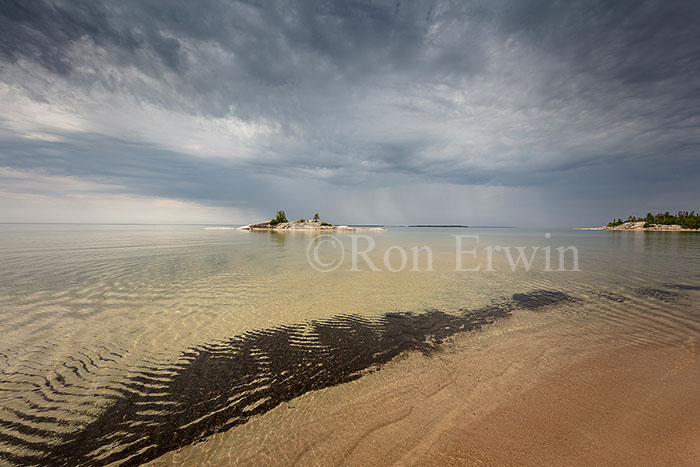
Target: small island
{"points": [[281, 224], [683, 221]]}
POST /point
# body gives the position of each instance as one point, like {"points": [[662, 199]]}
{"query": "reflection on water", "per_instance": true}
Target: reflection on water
{"points": [[121, 343]]}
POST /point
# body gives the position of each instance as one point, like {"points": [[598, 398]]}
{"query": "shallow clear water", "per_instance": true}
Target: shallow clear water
{"points": [[123, 342]]}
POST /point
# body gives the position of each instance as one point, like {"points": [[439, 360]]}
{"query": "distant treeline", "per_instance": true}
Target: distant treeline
{"points": [[687, 220]]}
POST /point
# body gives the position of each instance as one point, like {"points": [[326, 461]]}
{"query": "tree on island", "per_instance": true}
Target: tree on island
{"points": [[281, 217], [316, 217]]}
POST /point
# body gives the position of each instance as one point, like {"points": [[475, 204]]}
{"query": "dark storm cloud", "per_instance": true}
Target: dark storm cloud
{"points": [[236, 51], [519, 94]]}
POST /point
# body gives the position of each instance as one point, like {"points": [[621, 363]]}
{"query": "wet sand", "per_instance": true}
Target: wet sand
{"points": [[527, 391]]}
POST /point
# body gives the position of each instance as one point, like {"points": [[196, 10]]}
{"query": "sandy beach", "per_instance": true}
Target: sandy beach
{"points": [[637, 406], [515, 394]]}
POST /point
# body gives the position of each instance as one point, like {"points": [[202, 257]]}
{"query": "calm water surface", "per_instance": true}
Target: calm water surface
{"points": [[121, 343]]}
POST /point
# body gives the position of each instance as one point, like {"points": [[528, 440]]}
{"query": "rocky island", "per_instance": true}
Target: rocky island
{"points": [[309, 226], [684, 221], [280, 223]]}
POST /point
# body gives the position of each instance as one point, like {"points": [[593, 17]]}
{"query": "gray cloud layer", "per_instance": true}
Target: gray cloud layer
{"points": [[532, 106]]}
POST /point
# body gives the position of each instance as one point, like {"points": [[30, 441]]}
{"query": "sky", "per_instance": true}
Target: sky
{"points": [[526, 113]]}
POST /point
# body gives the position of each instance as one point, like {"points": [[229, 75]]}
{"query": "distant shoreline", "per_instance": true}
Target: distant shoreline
{"points": [[442, 226]]}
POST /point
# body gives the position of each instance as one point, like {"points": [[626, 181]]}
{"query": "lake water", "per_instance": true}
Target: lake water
{"points": [[123, 343]]}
